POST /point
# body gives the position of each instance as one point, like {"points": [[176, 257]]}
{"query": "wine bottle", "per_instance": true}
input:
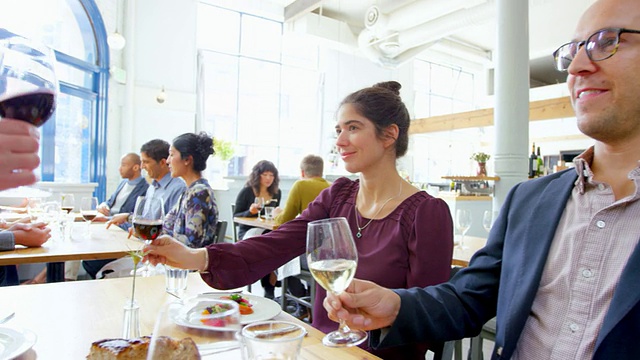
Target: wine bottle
{"points": [[539, 163], [532, 162]]}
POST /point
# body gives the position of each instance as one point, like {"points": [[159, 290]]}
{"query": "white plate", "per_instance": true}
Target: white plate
{"points": [[15, 342], [263, 308]]}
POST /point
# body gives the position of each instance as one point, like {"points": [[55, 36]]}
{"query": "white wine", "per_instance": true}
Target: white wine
{"points": [[333, 275]]}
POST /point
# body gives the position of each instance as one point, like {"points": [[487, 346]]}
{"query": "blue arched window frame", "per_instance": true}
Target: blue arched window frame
{"points": [[96, 94]]}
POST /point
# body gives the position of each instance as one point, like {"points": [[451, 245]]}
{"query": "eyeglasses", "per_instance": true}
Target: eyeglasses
{"points": [[600, 45]]}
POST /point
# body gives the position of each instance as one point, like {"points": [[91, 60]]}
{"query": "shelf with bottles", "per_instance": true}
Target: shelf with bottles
{"points": [[472, 185], [472, 178]]}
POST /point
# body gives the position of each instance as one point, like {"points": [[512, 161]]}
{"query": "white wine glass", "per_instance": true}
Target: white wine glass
{"points": [[488, 219], [89, 210], [148, 216], [463, 224], [333, 258], [28, 84]]}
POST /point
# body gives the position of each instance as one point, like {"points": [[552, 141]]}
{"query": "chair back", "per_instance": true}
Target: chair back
{"points": [[233, 223], [221, 232]]}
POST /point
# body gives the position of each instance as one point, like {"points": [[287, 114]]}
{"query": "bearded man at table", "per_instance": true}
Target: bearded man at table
{"points": [[154, 156]]}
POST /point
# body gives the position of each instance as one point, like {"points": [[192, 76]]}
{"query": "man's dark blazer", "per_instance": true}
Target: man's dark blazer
{"points": [[503, 278], [130, 201]]}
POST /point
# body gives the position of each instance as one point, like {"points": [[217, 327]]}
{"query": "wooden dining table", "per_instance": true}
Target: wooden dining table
{"points": [[68, 317], [262, 223], [103, 243]]}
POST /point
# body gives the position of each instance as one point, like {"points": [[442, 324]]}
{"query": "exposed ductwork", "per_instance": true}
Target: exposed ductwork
{"points": [[392, 39]]}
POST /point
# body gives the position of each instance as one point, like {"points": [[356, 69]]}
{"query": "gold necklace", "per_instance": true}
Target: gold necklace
{"points": [[359, 233]]}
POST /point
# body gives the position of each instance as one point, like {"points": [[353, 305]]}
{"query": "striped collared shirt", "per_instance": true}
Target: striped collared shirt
{"points": [[592, 244]]}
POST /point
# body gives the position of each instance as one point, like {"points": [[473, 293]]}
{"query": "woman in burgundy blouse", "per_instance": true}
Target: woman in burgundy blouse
{"points": [[404, 236]]}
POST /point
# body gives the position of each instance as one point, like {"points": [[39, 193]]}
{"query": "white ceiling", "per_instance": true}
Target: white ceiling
{"points": [[551, 24]]}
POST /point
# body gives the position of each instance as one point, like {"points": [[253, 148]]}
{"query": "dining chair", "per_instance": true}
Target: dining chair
{"points": [[488, 332], [221, 232], [234, 225], [306, 301]]}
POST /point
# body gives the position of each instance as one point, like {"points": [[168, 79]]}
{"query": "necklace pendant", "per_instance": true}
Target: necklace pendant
{"points": [[358, 234]]}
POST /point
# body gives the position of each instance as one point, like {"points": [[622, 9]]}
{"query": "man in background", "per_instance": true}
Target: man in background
{"points": [[123, 200], [303, 192], [154, 156]]}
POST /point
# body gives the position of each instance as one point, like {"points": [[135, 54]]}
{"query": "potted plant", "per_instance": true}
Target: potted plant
{"points": [[481, 158], [224, 151]]}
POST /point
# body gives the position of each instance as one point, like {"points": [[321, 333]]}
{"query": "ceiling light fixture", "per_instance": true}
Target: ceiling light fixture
{"points": [[115, 40]]}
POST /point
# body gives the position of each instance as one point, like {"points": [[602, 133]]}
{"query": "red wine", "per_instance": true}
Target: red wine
{"points": [[89, 215], [35, 107], [147, 229], [68, 209]]}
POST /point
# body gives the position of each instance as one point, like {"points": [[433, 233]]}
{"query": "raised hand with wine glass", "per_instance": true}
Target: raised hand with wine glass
{"points": [[28, 91], [332, 259], [148, 217], [258, 204]]}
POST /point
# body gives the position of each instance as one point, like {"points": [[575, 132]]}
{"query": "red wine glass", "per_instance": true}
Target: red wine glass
{"points": [[147, 219], [28, 84]]}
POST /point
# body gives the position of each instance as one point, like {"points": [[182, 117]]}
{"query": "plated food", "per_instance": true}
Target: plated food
{"points": [[244, 305], [167, 348]]}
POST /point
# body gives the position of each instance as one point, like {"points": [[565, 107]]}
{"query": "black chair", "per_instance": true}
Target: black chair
{"points": [[221, 230], [234, 224], [306, 301]]}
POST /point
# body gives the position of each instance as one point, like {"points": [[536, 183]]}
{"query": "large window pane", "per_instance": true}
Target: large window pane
{"points": [[74, 118], [259, 103], [56, 23], [218, 29], [261, 38]]}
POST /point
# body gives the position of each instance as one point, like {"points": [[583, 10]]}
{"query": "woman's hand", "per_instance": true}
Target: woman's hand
{"points": [[118, 219], [169, 251], [19, 143], [364, 305]]}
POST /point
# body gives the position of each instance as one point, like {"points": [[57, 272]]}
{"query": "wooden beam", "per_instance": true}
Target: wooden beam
{"points": [[538, 110], [299, 8]]}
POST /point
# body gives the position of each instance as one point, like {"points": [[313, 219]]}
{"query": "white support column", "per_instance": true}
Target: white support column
{"points": [[512, 97]]}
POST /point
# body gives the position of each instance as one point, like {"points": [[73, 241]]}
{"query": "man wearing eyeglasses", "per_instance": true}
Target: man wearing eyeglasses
{"points": [[561, 268]]}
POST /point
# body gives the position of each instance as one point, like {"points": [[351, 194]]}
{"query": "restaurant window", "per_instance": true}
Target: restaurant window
{"points": [[258, 88], [72, 146]]}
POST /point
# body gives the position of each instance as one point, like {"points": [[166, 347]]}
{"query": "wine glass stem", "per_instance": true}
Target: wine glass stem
{"points": [[344, 328]]}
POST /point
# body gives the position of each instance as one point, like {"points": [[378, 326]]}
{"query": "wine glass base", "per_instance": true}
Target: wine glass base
{"points": [[339, 339]]}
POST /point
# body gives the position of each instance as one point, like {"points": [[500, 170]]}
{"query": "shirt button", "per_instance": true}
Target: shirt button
{"points": [[600, 224], [587, 273], [574, 327], [601, 187]]}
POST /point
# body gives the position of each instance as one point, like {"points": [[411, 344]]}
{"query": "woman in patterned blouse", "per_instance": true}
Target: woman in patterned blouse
{"points": [[194, 218]]}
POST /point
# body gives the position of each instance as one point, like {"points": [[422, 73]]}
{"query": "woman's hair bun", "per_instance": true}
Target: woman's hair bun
{"points": [[392, 86]]}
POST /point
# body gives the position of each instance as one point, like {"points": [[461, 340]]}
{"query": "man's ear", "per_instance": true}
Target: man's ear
{"points": [[163, 162]]}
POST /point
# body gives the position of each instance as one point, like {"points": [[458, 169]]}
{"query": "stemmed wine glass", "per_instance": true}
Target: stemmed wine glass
{"points": [[28, 85], [68, 202], [148, 216], [463, 223], [332, 258], [487, 219], [259, 201], [89, 210]]}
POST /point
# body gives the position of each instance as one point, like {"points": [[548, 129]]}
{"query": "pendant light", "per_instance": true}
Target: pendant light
{"points": [[115, 40]]}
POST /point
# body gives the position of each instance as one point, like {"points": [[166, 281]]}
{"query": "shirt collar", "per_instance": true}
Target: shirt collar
{"points": [[166, 179], [136, 181], [583, 168]]}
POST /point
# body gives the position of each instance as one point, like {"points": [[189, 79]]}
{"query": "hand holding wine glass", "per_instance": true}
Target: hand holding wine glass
{"points": [[28, 90], [258, 203], [463, 224], [147, 220], [333, 258]]}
